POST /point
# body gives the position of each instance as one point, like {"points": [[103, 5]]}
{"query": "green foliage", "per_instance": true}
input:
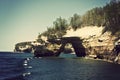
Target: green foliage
{"points": [[57, 31], [112, 16], [60, 24], [94, 17], [107, 16], [75, 21]]}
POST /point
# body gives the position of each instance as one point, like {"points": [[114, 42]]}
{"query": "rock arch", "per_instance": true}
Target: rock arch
{"points": [[76, 43]]}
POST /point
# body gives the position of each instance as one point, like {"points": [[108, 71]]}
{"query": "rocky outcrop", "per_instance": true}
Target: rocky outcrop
{"points": [[54, 47], [75, 41], [41, 51], [103, 47]]}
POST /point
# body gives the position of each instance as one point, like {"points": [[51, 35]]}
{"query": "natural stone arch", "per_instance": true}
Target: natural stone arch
{"points": [[76, 43]]}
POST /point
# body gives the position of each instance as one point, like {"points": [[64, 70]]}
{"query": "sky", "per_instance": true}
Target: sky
{"points": [[23, 20]]}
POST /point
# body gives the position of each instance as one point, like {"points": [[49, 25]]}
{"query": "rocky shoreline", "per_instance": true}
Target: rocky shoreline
{"points": [[102, 46], [112, 59]]}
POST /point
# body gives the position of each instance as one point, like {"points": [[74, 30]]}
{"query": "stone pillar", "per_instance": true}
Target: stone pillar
{"points": [[79, 49]]}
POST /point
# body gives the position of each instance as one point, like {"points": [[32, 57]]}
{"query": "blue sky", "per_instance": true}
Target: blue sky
{"points": [[22, 20]]}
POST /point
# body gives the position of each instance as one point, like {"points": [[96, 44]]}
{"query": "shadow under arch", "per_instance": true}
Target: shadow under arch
{"points": [[76, 44]]}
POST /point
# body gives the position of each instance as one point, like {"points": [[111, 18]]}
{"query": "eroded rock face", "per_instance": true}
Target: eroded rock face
{"points": [[107, 51], [76, 44], [55, 46], [43, 51]]}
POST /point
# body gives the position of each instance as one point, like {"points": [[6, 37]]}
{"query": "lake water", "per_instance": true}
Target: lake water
{"points": [[66, 67]]}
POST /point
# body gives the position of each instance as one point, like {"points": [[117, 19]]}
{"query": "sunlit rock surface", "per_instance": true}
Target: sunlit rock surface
{"points": [[97, 44]]}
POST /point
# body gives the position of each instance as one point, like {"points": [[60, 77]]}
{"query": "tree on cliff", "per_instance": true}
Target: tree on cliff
{"points": [[75, 21], [107, 16], [60, 26], [112, 16], [94, 17]]}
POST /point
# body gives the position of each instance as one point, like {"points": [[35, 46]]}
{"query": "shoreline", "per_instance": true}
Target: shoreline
{"points": [[102, 60]]}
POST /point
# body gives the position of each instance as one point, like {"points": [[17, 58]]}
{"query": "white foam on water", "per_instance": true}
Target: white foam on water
{"points": [[26, 74], [25, 64]]}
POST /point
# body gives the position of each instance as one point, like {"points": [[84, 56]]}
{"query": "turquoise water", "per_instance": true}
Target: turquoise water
{"points": [[25, 67]]}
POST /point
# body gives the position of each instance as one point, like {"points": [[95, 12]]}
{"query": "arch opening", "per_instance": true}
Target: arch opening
{"points": [[76, 44]]}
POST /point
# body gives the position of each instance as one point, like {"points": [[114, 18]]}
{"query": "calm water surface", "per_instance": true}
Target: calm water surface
{"points": [[25, 67]]}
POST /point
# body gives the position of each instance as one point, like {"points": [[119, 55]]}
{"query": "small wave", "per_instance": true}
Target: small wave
{"points": [[20, 77], [25, 63], [28, 67], [26, 74]]}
